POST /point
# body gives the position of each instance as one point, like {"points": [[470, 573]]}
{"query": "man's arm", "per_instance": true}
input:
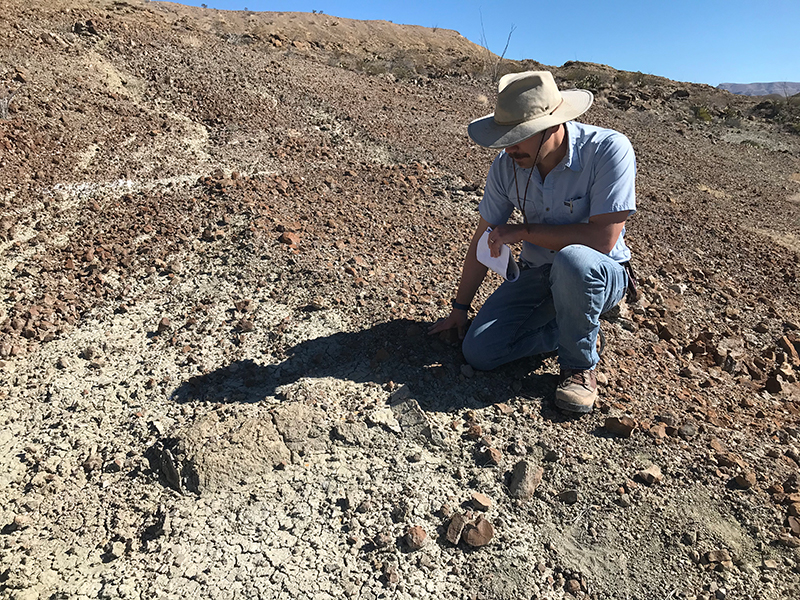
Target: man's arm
{"points": [[600, 233], [472, 276]]}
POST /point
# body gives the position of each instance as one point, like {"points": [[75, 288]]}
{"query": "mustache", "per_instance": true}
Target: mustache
{"points": [[519, 155]]}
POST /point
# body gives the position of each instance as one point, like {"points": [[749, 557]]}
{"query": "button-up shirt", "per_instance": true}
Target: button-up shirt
{"points": [[596, 176]]}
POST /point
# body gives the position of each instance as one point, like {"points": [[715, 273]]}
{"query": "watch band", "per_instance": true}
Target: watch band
{"points": [[459, 306]]}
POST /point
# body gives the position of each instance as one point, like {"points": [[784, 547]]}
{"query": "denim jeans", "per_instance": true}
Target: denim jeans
{"points": [[552, 307]]}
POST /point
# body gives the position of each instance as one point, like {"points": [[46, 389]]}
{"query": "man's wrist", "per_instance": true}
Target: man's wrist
{"points": [[530, 230], [459, 306]]}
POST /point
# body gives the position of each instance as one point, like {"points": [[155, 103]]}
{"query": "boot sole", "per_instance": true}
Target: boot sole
{"points": [[577, 408]]}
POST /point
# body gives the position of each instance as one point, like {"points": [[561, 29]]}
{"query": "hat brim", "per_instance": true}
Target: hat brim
{"points": [[485, 132]]}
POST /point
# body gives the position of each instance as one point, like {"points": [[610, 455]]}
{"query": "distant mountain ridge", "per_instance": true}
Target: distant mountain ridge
{"points": [[782, 88]]}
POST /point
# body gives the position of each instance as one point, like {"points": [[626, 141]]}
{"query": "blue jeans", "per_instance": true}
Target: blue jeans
{"points": [[552, 307]]}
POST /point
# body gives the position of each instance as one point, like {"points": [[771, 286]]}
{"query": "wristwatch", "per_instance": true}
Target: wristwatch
{"points": [[459, 306]]}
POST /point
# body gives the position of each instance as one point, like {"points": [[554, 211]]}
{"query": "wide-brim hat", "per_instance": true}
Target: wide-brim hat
{"points": [[527, 103]]}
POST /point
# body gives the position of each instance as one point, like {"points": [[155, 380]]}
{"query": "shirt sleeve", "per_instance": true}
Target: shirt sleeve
{"points": [[614, 187], [496, 207]]}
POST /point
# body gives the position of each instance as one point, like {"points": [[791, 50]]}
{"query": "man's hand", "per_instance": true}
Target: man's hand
{"points": [[472, 275], [457, 318], [504, 234]]}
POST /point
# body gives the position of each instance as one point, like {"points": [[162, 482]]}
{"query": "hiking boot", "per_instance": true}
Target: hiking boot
{"points": [[576, 391]]}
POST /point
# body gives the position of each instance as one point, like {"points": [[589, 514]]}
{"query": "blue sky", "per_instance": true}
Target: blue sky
{"points": [[702, 41]]}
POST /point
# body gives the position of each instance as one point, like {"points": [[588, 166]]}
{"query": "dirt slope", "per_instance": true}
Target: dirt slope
{"points": [[223, 236]]}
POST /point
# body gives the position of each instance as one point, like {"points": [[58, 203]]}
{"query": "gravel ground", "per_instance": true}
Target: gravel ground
{"points": [[222, 244]]}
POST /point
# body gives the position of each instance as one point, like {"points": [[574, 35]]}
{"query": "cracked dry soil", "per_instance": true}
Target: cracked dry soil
{"points": [[223, 237]]}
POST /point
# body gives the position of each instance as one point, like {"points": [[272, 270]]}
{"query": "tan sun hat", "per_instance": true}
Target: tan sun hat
{"points": [[527, 103]]}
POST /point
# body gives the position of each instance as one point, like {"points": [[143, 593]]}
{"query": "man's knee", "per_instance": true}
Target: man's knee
{"points": [[575, 257], [574, 262], [477, 354]]}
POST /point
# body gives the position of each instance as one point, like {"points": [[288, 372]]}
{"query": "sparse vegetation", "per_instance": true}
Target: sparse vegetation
{"points": [[373, 67], [587, 79], [495, 67], [732, 116], [782, 110], [701, 113], [627, 79]]}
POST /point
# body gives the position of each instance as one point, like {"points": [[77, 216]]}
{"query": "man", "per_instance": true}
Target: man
{"points": [[575, 187]]}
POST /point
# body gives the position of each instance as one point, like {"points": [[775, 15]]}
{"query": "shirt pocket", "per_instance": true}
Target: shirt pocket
{"points": [[575, 210]]}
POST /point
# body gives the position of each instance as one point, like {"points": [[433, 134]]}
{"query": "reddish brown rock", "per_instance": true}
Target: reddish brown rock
{"points": [[456, 526], [728, 459], [493, 456], [620, 426], [573, 586], [789, 541], [717, 445], [479, 533], [745, 480], [794, 525], [244, 305], [658, 431], [775, 488], [718, 556], [474, 431], [504, 409], [416, 537], [391, 573], [791, 352], [651, 475], [481, 501], [525, 478], [289, 238], [164, 325]]}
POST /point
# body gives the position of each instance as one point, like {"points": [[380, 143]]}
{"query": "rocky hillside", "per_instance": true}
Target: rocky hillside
{"points": [[223, 238]]}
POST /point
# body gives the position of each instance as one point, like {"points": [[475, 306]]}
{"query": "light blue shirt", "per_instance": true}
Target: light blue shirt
{"points": [[596, 176]]}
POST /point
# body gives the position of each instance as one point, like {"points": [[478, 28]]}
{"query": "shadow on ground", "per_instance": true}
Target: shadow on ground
{"points": [[399, 351]]}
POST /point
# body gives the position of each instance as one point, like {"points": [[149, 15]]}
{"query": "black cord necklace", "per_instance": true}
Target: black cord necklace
{"points": [[524, 201]]}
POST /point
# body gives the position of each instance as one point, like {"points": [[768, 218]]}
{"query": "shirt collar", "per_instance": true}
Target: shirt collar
{"points": [[573, 158]]}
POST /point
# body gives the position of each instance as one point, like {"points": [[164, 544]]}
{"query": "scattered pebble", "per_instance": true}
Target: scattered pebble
{"points": [[525, 478], [455, 528], [651, 475], [416, 537], [620, 426], [745, 480], [569, 496], [478, 533], [572, 586], [481, 501]]}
